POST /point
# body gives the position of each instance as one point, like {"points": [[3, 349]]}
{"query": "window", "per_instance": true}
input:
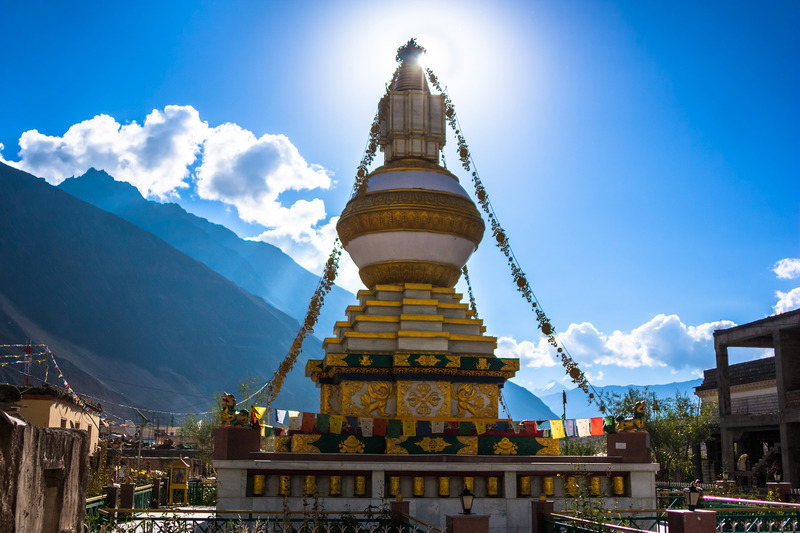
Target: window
{"points": [[63, 422]]}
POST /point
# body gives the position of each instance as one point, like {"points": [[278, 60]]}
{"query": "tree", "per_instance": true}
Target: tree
{"points": [[676, 426]]}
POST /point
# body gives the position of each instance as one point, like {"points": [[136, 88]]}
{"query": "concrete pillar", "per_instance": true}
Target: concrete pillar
{"points": [[467, 523], [787, 378], [541, 510], [724, 397], [378, 482], [156, 499], [685, 521], [510, 485], [126, 492]]}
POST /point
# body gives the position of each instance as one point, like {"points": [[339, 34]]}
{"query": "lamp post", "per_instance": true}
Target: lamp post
{"points": [[466, 500], [693, 493]]}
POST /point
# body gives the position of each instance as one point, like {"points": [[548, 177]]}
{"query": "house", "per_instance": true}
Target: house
{"points": [[759, 400], [46, 406]]}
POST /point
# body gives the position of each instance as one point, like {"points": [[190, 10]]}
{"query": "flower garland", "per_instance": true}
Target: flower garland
{"points": [[502, 242], [326, 281]]}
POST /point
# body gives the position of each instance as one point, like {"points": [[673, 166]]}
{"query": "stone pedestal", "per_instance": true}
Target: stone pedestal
{"points": [[154, 502], [112, 496], [632, 447], [781, 489], [236, 442], [541, 510], [126, 494], [685, 521], [468, 523], [399, 509]]}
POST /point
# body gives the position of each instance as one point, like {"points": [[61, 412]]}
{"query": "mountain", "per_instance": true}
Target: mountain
{"points": [[524, 405], [260, 268], [578, 403], [129, 317]]}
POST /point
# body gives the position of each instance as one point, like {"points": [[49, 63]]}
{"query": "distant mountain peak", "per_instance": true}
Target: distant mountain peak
{"points": [[99, 188]]}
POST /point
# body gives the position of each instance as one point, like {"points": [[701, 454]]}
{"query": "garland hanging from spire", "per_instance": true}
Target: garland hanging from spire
{"points": [[502, 242]]}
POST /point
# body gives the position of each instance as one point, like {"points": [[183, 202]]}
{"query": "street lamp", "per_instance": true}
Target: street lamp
{"points": [[693, 495], [466, 500]]}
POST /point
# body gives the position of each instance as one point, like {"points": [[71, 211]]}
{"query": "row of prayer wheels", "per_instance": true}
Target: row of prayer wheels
{"points": [[572, 486]]}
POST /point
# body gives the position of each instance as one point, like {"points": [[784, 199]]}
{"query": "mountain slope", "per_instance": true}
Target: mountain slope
{"points": [[259, 268], [524, 405], [578, 406], [123, 307]]}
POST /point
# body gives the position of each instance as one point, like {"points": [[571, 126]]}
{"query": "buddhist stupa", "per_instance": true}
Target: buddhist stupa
{"points": [[410, 348]]}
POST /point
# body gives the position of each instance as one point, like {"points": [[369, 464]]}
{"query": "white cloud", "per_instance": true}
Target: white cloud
{"points": [[663, 341], [534, 355], [153, 156], [788, 268], [787, 301], [236, 168]]}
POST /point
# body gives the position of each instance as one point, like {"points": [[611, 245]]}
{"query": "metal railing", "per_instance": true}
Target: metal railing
{"points": [[202, 494], [209, 521]]}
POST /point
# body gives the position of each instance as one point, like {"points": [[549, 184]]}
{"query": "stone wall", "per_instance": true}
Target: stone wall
{"points": [[43, 478]]}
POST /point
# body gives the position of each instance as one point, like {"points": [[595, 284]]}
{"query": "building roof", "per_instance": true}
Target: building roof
{"points": [[47, 390], [741, 373]]}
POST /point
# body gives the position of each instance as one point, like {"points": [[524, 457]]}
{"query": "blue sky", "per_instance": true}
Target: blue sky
{"points": [[642, 156]]}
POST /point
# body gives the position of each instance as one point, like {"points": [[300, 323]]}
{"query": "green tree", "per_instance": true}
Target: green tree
{"points": [[676, 426]]}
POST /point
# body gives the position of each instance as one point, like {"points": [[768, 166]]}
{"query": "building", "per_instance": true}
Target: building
{"points": [[759, 400], [48, 407]]}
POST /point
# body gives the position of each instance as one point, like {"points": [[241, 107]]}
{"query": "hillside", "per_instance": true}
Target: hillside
{"points": [[260, 268], [129, 316]]}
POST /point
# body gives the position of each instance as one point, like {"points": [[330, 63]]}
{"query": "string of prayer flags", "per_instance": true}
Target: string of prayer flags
{"points": [[530, 427], [323, 423], [516, 426], [423, 428], [584, 427], [465, 428], [307, 424], [280, 416], [259, 411], [480, 427], [379, 427], [557, 429], [351, 425], [597, 427], [295, 421], [366, 425], [337, 421], [409, 428], [437, 427], [569, 427]]}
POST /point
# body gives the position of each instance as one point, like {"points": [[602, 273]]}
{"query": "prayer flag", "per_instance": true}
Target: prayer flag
{"points": [[569, 427], [366, 426], [295, 421], [597, 427], [437, 427], [465, 428], [423, 427], [530, 427], [352, 424], [480, 427], [379, 427], [281, 418], [259, 411], [502, 426], [307, 425], [323, 423], [394, 428], [336, 424], [584, 427], [409, 428], [516, 426], [557, 429]]}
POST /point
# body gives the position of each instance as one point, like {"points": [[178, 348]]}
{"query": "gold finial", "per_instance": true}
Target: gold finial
{"points": [[409, 51]]}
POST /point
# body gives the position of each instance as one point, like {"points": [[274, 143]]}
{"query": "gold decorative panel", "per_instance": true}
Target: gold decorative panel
{"points": [[618, 485], [368, 398], [492, 486], [259, 485], [525, 486], [594, 486], [305, 443], [285, 486], [351, 445], [470, 446], [419, 487], [444, 486], [394, 486], [361, 486], [423, 399], [474, 400], [548, 486], [310, 486]]}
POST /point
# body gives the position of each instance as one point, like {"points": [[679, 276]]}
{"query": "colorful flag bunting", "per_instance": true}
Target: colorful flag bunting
{"points": [[323, 423], [557, 429], [437, 427], [409, 428], [295, 420], [367, 425], [337, 421], [597, 427], [307, 425], [379, 427], [394, 428], [584, 427], [569, 427]]}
